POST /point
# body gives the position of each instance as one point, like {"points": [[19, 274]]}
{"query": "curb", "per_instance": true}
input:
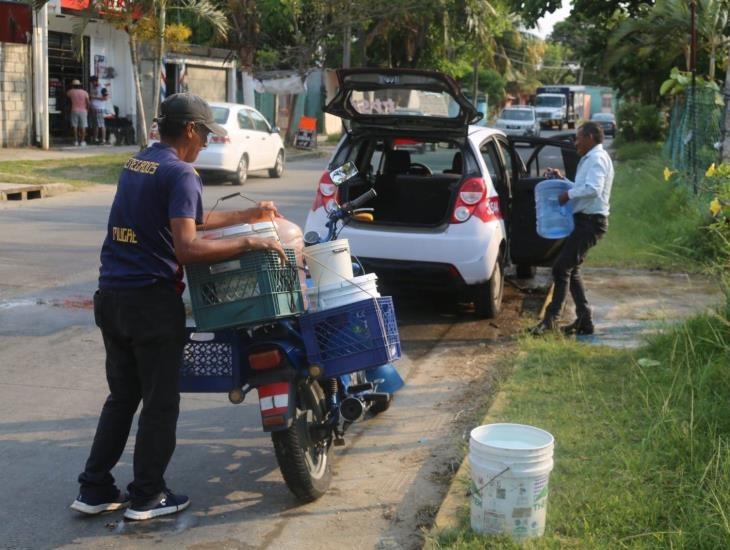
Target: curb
{"points": [[306, 155], [457, 497]]}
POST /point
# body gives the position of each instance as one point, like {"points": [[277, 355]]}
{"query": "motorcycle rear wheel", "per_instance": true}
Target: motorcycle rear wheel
{"points": [[305, 464]]}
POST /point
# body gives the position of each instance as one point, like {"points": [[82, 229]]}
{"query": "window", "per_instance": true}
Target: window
{"points": [[244, 120], [220, 114], [259, 122], [491, 158], [513, 170]]}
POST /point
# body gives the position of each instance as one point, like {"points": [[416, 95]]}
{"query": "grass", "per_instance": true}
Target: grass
{"points": [[654, 224], [642, 456], [77, 171]]}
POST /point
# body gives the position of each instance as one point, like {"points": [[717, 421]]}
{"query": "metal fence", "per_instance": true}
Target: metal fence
{"points": [[694, 133]]}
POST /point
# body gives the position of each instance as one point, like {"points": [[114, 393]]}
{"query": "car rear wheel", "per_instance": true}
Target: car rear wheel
{"points": [[242, 170], [278, 168], [488, 300]]}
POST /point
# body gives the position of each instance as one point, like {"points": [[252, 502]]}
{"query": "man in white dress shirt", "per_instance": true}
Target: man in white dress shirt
{"points": [[590, 195]]}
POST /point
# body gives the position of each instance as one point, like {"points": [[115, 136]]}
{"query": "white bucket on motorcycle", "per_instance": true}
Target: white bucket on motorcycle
{"points": [[276, 400]]}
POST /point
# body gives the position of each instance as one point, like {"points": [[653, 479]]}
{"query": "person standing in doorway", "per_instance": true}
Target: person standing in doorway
{"points": [[152, 232], [79, 99], [590, 194], [98, 114]]}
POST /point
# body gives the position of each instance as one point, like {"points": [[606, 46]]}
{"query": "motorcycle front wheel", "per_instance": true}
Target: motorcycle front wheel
{"points": [[304, 459]]}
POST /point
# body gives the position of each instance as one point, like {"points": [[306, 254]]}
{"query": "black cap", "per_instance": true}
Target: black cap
{"points": [[187, 107]]}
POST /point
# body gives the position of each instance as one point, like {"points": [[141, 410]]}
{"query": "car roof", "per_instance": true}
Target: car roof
{"points": [[228, 105]]}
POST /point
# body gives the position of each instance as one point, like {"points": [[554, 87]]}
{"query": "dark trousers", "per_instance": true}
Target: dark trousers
{"points": [[144, 335], [566, 269]]}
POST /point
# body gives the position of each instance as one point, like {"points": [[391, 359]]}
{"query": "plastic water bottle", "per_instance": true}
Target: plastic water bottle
{"points": [[553, 220]]}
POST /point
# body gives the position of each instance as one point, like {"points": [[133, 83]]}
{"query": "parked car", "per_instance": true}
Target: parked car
{"points": [[450, 218], [519, 121], [607, 121], [251, 144]]}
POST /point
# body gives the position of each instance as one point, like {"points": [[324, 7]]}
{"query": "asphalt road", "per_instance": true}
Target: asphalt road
{"points": [[389, 479]]}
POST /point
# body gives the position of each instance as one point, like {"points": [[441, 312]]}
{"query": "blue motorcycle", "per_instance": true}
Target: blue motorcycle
{"points": [[305, 408]]}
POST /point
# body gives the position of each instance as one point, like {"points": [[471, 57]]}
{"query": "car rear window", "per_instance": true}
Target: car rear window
{"points": [[517, 114], [220, 114], [404, 103]]}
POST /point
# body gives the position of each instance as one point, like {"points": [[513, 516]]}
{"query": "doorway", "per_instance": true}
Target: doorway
{"points": [[63, 67]]}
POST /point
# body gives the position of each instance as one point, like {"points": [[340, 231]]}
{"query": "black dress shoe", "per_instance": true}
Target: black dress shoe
{"points": [[580, 327]]}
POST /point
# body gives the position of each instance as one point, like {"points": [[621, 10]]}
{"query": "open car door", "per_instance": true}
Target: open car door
{"points": [[402, 100], [527, 248]]}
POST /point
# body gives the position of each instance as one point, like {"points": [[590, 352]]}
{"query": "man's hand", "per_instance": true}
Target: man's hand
{"points": [[552, 173], [267, 209], [563, 198], [269, 244]]}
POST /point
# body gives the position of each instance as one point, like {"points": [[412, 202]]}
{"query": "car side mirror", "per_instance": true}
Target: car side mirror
{"points": [[276, 130]]}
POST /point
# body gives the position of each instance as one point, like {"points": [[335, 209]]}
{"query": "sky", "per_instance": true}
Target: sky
{"points": [[545, 24]]}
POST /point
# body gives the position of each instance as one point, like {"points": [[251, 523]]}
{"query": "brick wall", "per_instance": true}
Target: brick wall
{"points": [[15, 95]]}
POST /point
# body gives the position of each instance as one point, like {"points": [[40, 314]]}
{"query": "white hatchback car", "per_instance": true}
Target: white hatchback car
{"points": [[519, 120], [448, 218], [252, 144]]}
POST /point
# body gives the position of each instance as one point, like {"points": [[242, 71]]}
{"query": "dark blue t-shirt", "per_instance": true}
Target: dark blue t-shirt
{"points": [[155, 186]]}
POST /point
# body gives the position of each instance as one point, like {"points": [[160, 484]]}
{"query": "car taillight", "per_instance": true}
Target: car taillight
{"points": [[265, 360], [219, 139], [327, 192], [473, 201]]}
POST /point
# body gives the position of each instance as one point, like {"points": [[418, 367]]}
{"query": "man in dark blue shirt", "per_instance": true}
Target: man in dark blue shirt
{"points": [[152, 232]]}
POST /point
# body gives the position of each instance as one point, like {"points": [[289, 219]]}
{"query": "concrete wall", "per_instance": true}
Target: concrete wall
{"points": [[15, 95]]}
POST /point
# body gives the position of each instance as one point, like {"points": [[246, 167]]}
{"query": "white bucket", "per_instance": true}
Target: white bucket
{"points": [[345, 292], [261, 229], [329, 262], [510, 469]]}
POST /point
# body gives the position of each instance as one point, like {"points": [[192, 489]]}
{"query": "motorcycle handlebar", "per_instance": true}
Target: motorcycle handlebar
{"points": [[362, 199]]}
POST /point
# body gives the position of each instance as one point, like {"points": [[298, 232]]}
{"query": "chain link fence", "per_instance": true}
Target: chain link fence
{"points": [[695, 133]]}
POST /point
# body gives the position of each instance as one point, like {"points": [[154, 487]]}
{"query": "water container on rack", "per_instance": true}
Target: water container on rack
{"points": [[554, 221]]}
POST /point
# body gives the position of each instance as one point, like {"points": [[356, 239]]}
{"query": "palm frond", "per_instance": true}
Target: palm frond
{"points": [[209, 12]]}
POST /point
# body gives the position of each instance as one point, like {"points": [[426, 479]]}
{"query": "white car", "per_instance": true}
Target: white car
{"points": [[449, 218], [251, 144], [519, 121]]}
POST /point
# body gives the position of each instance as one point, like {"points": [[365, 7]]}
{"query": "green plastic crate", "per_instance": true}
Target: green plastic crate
{"points": [[250, 289]]}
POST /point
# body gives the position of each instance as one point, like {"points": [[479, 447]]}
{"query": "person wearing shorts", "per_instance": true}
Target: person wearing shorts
{"points": [[98, 113], [79, 99]]}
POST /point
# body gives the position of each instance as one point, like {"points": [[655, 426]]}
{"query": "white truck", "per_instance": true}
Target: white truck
{"points": [[561, 105]]}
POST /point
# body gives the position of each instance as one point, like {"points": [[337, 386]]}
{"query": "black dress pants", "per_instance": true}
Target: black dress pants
{"points": [[589, 228], [144, 336]]}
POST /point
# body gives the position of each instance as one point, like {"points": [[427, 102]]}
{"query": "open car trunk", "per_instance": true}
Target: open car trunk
{"points": [[416, 180]]}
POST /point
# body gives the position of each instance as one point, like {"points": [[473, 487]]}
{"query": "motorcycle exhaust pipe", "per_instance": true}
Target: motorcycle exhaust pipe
{"points": [[352, 409]]}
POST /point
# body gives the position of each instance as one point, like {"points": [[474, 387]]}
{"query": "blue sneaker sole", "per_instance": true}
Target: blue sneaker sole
{"points": [[92, 510], [137, 515]]}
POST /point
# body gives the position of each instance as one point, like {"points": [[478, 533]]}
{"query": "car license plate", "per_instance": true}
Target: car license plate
{"points": [[513, 127]]}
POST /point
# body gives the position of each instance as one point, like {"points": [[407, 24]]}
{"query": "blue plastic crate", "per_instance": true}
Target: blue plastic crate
{"points": [[353, 337], [210, 362], [250, 289]]}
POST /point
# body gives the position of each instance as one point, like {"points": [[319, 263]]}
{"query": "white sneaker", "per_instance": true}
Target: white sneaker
{"points": [[76, 143], [83, 144]]}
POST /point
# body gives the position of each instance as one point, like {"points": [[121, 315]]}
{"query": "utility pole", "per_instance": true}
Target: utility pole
{"points": [[347, 44], [693, 95]]}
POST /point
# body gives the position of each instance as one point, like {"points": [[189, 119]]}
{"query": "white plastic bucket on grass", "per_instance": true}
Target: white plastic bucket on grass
{"points": [[265, 230], [344, 292], [510, 469], [329, 262]]}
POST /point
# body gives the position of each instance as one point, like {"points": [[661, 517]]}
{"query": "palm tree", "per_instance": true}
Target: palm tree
{"points": [[205, 10]]}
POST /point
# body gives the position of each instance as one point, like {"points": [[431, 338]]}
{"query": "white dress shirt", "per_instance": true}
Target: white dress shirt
{"points": [[593, 180]]}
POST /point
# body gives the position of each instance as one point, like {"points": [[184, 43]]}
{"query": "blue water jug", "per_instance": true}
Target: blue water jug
{"points": [[553, 220]]}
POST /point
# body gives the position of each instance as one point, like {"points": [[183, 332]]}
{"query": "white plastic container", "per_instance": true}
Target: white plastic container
{"points": [[510, 470], [261, 229], [329, 262], [345, 292]]}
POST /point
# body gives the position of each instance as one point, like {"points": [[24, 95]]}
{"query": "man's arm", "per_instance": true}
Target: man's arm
{"points": [[592, 183], [265, 211], [189, 249]]}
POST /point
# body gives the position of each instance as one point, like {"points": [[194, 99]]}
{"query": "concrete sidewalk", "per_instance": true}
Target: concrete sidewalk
{"points": [[70, 152]]}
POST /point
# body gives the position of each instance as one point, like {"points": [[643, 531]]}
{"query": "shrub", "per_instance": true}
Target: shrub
{"points": [[637, 122]]}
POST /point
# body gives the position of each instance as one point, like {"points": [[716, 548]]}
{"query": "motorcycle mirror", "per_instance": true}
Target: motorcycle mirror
{"points": [[344, 173], [311, 237]]}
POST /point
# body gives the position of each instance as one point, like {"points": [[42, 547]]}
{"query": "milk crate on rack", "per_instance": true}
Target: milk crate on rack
{"points": [[250, 289], [210, 361], [353, 337]]}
